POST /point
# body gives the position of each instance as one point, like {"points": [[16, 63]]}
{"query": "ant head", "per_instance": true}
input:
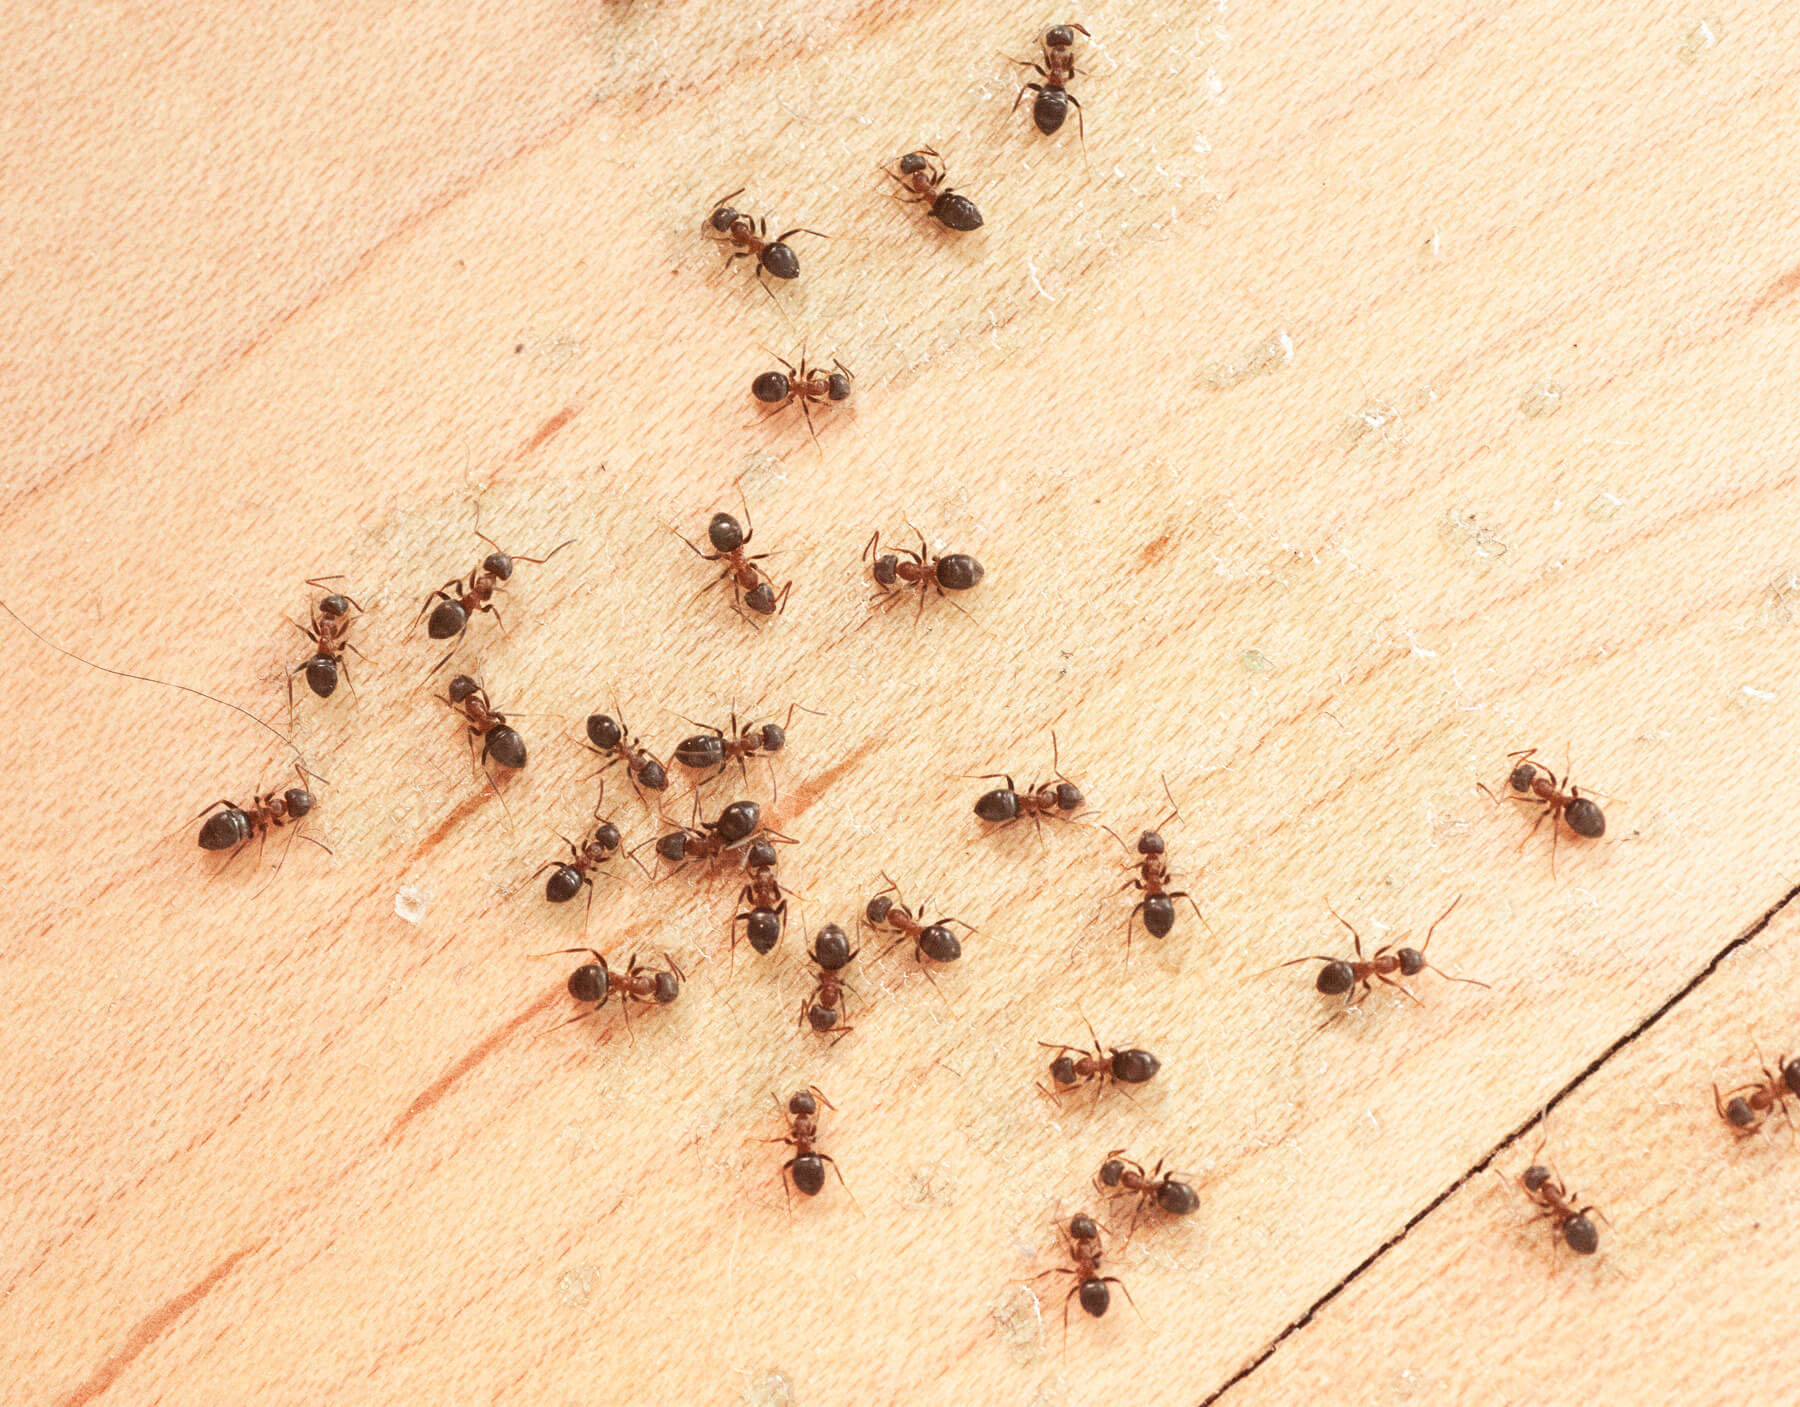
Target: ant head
{"points": [[1522, 776], [831, 948], [774, 737], [299, 801], [1535, 1177], [590, 982], [1412, 962], [781, 261], [1068, 797], [498, 564], [885, 574], [913, 163], [653, 775], [823, 1018], [723, 218], [761, 855], [603, 731], [607, 837], [673, 846], [1585, 818], [334, 605], [769, 388], [957, 572], [1111, 1171], [1062, 1070], [725, 533], [1150, 843], [838, 387], [761, 599], [879, 908], [802, 1103], [668, 987], [1738, 1113], [463, 688], [1059, 36], [1082, 1227], [1336, 978]]}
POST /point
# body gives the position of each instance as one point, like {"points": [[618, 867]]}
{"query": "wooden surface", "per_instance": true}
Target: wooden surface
{"points": [[1244, 415]]}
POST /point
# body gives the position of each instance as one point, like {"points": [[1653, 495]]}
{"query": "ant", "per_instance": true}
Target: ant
{"points": [[808, 385], [831, 950], [750, 584], [1050, 109], [1153, 876], [1532, 781], [1124, 1175], [956, 572], [774, 257], [331, 619], [1748, 1106], [737, 823], [714, 750], [1352, 980], [595, 982], [807, 1166], [569, 877], [1075, 1066], [233, 827], [612, 739], [1547, 1190], [458, 601], [486, 722], [1082, 1239], [933, 940], [767, 914], [1004, 805], [922, 173]]}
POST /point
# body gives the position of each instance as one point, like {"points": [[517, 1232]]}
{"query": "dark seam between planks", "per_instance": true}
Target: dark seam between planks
{"points": [[1543, 1112]]}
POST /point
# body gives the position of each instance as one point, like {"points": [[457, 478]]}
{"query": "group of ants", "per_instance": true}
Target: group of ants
{"points": [[738, 836]]}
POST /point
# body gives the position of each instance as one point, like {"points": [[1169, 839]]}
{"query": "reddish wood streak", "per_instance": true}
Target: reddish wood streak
{"points": [[547, 429], [443, 1084]]}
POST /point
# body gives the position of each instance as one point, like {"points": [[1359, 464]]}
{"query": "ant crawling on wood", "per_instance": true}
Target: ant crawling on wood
{"points": [[1082, 1241], [898, 572], [1748, 1107], [824, 1009], [930, 940], [767, 915], [595, 982], [611, 738], [716, 749], [1075, 1066], [1004, 805], [922, 173], [749, 237], [1050, 109], [1153, 878], [332, 616], [229, 826], [569, 877], [808, 385], [498, 738], [807, 1166], [750, 584], [1119, 1176], [738, 823], [457, 601], [1544, 1187], [1533, 782], [1355, 980]]}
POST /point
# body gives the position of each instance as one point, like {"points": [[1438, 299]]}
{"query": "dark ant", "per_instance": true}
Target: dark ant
{"points": [[956, 572], [807, 1166], [458, 601], [611, 738], [1082, 1239], [832, 952], [595, 982], [486, 722], [715, 749], [1119, 1175], [569, 877], [711, 840], [767, 914], [1547, 1190], [1352, 980], [1004, 805], [232, 827], [750, 584], [808, 385], [774, 257], [1153, 876], [331, 620], [1534, 782], [1748, 1106], [922, 173], [929, 940], [1050, 109], [1075, 1066]]}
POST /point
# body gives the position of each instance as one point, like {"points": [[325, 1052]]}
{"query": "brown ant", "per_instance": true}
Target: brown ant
{"points": [[897, 572], [1354, 980], [486, 722], [1004, 805], [716, 749], [832, 952], [750, 584], [595, 982], [1153, 876], [1082, 1240], [764, 920], [1747, 1107], [230, 826], [922, 173], [457, 601], [1050, 109], [611, 738], [774, 257], [569, 877], [738, 823], [331, 620], [1075, 1066], [808, 385], [1546, 1189], [930, 940], [807, 1166], [1119, 1176], [1533, 782]]}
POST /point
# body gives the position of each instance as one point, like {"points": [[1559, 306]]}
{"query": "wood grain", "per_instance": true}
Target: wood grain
{"points": [[1380, 394]]}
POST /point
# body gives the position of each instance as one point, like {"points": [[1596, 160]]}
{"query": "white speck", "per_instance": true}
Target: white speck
{"points": [[411, 901], [1034, 280]]}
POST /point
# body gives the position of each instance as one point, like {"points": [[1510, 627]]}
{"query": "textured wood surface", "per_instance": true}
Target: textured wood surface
{"points": [[1380, 394]]}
